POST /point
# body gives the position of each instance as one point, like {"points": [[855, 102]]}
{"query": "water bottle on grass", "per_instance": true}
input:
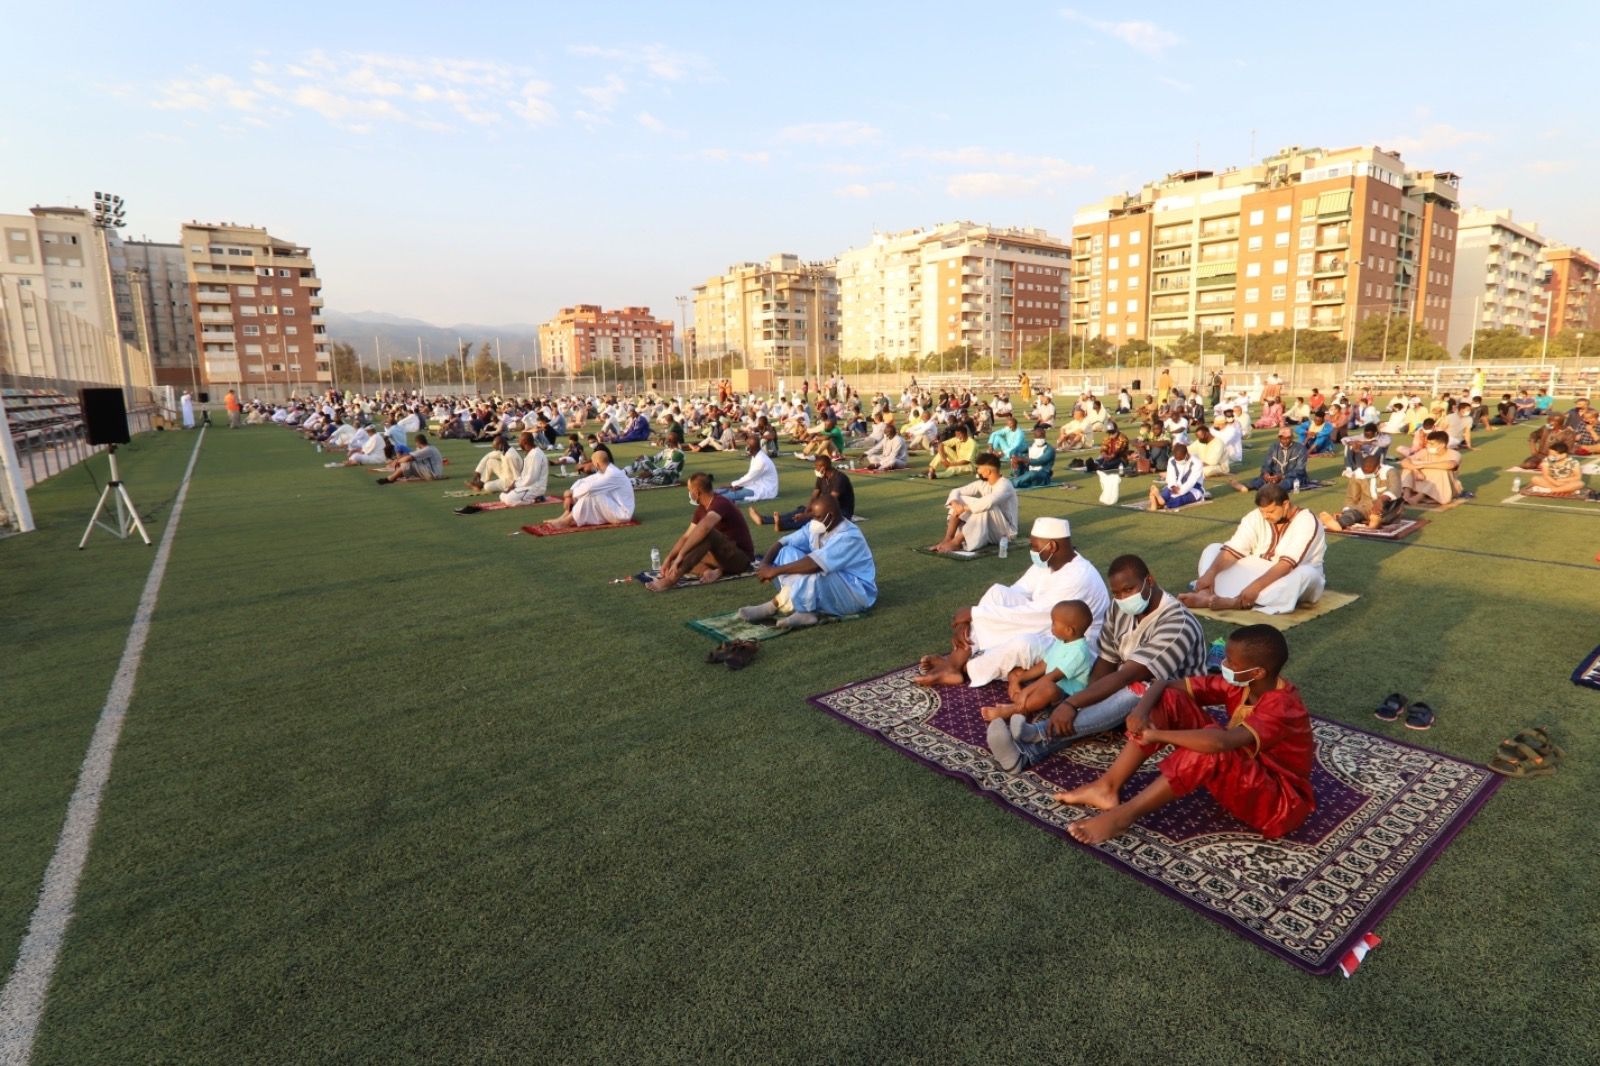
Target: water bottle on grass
{"points": [[655, 559]]}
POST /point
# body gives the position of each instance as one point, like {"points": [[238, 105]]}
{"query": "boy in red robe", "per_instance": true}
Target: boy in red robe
{"points": [[1257, 767]]}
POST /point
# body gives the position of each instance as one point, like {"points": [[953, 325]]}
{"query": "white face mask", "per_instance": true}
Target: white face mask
{"points": [[817, 528]]}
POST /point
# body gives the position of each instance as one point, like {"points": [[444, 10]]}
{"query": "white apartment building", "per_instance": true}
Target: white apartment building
{"points": [[921, 292], [1497, 276], [779, 314], [163, 316]]}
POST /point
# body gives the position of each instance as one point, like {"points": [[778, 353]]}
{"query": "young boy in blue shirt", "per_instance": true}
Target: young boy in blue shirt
{"points": [[1063, 670]]}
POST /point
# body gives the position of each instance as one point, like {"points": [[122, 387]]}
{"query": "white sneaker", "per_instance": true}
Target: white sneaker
{"points": [[758, 613], [1003, 746]]}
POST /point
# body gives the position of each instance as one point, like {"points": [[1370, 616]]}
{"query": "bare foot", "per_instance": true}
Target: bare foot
{"points": [[1101, 828], [939, 547], [1097, 794], [930, 663], [659, 585], [755, 515], [998, 710], [1195, 599], [711, 576], [943, 677], [1227, 603]]}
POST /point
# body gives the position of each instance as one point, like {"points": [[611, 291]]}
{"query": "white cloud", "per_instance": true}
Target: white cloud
{"points": [[1141, 36], [1552, 166], [830, 134], [1174, 83], [988, 173], [653, 124], [729, 155], [1440, 136], [861, 190], [658, 61], [604, 97], [357, 91]]}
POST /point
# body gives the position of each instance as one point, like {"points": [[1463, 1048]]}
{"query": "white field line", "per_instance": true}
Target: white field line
{"points": [[22, 1000]]}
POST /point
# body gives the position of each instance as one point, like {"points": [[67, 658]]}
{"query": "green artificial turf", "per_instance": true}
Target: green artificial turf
{"points": [[396, 786]]}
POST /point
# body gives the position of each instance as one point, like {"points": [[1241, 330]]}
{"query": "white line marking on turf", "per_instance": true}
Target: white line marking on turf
{"points": [[22, 1000]]}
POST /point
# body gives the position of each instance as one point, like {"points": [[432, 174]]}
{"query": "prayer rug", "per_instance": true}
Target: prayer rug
{"points": [[1385, 811], [1393, 531], [1330, 601], [1540, 494], [1067, 485], [960, 556], [461, 494], [865, 472], [644, 577], [730, 626], [545, 529], [1144, 505], [496, 505], [1588, 672], [1433, 508]]}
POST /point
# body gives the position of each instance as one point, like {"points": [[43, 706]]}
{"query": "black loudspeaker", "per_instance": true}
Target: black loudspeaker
{"points": [[205, 397], [104, 415]]}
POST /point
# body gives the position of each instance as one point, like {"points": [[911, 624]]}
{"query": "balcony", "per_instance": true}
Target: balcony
{"points": [[224, 318], [316, 301], [1329, 241], [1328, 296], [1328, 322], [1332, 268], [1219, 234], [212, 297], [1176, 262], [217, 335], [1171, 240], [1170, 312], [1217, 281]]}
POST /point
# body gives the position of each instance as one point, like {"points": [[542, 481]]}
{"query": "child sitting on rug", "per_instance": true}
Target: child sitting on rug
{"points": [[1063, 670], [1257, 767]]}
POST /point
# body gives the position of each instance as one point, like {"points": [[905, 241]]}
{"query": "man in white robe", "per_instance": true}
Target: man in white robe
{"points": [[1010, 626], [760, 480], [1271, 564], [890, 452], [982, 512], [603, 498], [187, 403], [533, 475], [497, 470]]}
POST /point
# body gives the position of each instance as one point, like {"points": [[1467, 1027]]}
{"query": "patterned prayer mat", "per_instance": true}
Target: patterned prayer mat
{"points": [[1144, 505], [1330, 601], [1434, 508], [544, 529], [1543, 494], [1393, 531], [730, 626], [1385, 810], [644, 577], [1588, 672], [987, 552], [865, 472]]}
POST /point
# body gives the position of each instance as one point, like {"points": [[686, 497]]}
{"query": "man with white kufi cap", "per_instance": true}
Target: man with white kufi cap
{"points": [[1010, 626]]}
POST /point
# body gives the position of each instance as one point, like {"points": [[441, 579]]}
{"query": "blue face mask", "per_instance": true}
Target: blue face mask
{"points": [[1232, 677], [1038, 560], [1135, 604]]}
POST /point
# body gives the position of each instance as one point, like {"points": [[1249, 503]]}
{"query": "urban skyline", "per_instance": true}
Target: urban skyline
{"points": [[620, 154]]}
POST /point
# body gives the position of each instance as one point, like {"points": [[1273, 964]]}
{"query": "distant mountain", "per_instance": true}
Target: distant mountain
{"points": [[397, 336]]}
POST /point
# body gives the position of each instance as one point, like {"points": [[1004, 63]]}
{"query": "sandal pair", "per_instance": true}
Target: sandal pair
{"points": [[1419, 715], [1531, 753], [735, 654]]}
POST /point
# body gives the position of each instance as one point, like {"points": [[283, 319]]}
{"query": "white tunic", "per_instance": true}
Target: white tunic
{"points": [[602, 498], [992, 512], [1011, 624], [761, 478], [188, 411], [531, 481], [1256, 545]]}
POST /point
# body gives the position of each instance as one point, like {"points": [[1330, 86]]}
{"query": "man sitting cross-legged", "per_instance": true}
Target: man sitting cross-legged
{"points": [[1271, 564], [603, 498], [889, 453], [1009, 628], [981, 513], [663, 468], [717, 541], [825, 567], [830, 481], [1257, 767], [955, 456], [1429, 477], [1372, 499], [1034, 468], [422, 463], [760, 480], [1185, 481], [1148, 635], [1284, 465], [498, 470]]}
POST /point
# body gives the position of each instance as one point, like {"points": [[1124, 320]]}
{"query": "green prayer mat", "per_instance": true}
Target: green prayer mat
{"points": [[730, 626]]}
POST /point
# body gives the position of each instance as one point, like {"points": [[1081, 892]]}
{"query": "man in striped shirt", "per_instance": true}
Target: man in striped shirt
{"points": [[1148, 635], [1271, 564]]}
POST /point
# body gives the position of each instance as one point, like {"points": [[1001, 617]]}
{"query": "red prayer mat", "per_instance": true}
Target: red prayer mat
{"points": [[545, 529]]}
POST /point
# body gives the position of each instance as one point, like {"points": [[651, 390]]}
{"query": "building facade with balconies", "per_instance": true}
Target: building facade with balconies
{"points": [[780, 314], [989, 290], [1569, 279], [163, 314], [1309, 239], [257, 307], [585, 333], [1497, 276]]}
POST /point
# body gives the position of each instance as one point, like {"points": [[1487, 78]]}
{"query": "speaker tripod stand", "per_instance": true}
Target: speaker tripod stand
{"points": [[127, 516]]}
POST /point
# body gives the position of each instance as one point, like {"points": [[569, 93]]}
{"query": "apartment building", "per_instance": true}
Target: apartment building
{"points": [[1497, 276], [915, 293], [769, 315], [629, 337], [161, 311], [57, 300], [1567, 290], [1309, 238], [257, 306]]}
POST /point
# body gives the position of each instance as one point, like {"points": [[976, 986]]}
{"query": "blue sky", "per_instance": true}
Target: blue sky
{"points": [[480, 163]]}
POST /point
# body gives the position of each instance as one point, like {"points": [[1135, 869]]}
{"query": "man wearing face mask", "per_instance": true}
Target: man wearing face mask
{"points": [[1148, 635], [1271, 564], [825, 567], [1009, 629], [1429, 477], [982, 512]]}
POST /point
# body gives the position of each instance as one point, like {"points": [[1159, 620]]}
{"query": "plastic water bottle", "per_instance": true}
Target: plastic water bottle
{"points": [[655, 559], [1005, 546], [1516, 484]]}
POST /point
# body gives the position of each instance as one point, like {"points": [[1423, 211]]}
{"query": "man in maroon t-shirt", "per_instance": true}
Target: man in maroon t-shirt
{"points": [[717, 541]]}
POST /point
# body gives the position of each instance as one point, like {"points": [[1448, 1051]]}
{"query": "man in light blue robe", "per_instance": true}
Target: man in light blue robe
{"points": [[1037, 465], [1008, 441], [824, 567]]}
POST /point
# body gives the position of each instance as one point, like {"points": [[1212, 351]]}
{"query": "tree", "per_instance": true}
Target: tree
{"points": [[486, 369], [348, 371], [1493, 344]]}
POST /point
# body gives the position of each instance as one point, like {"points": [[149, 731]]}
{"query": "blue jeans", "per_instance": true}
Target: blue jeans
{"points": [[1036, 745], [736, 495]]}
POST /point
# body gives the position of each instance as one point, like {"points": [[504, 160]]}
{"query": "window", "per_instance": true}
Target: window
{"points": [[1133, 283], [950, 300], [1257, 217], [1250, 320], [1280, 292], [252, 349], [288, 310], [1303, 264], [1133, 306], [1114, 263], [252, 331], [1116, 239], [1111, 329], [1280, 266], [77, 284], [1280, 239], [1253, 244], [247, 309], [1252, 270], [1111, 307], [1284, 212], [283, 273], [1252, 295], [1111, 286], [1133, 260], [1133, 238], [285, 292], [247, 290], [1275, 319]]}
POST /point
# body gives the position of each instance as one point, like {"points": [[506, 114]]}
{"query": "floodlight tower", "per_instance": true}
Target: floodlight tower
{"points": [[109, 214]]}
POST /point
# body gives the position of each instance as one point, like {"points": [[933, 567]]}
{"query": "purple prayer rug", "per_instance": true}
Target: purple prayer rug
{"points": [[1385, 810]]}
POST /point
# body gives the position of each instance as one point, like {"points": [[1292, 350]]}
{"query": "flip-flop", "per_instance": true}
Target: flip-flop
{"points": [[720, 652], [740, 655], [1390, 708], [1419, 716]]}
